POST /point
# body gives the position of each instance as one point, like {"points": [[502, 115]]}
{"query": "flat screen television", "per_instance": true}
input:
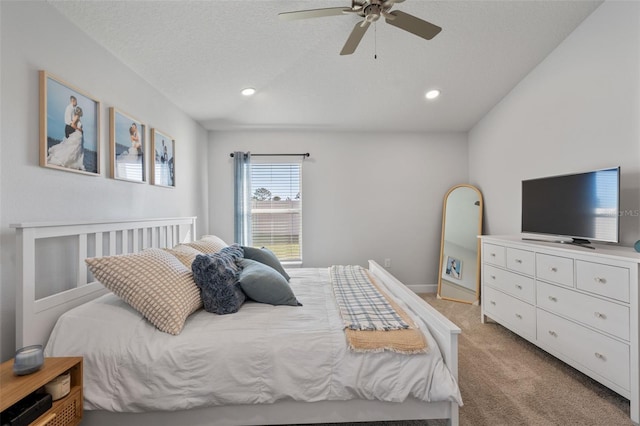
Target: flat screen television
{"points": [[580, 206]]}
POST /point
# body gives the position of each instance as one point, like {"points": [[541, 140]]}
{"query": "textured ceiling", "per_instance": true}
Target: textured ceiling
{"points": [[200, 54]]}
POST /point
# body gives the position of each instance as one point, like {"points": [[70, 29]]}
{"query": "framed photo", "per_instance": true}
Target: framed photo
{"points": [[127, 147], [453, 268], [69, 127], [163, 171]]}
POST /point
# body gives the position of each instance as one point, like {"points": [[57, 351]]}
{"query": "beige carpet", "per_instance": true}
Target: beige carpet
{"points": [[505, 380]]}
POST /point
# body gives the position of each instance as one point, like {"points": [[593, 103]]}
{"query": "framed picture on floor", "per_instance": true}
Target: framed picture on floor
{"points": [[127, 147], [163, 172], [69, 127], [453, 268]]}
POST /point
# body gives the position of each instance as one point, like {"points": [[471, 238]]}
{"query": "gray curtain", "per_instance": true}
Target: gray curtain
{"points": [[242, 197]]}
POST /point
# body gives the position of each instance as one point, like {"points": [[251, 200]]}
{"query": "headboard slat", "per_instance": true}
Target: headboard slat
{"points": [[125, 242], [82, 266], [112, 243], [136, 240], [99, 245]]}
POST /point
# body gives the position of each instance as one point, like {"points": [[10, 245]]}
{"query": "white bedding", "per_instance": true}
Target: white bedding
{"points": [[260, 354]]}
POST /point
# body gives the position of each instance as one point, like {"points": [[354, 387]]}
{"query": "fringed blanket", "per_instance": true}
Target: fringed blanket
{"points": [[373, 321]]}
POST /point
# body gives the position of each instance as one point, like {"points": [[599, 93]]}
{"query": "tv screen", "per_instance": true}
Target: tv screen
{"points": [[583, 206]]}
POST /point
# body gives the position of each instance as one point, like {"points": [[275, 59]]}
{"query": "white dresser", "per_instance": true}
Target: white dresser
{"points": [[578, 304]]}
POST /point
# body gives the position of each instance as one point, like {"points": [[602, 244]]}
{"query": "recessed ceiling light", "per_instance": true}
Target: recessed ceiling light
{"points": [[248, 91], [432, 94]]}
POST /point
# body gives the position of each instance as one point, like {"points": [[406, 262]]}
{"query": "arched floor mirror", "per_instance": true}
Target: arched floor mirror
{"points": [[459, 274]]}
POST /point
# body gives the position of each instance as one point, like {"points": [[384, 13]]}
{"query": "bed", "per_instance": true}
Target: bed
{"points": [[333, 385]]}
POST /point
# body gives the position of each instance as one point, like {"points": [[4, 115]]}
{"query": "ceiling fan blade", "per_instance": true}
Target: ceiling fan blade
{"points": [[355, 37], [313, 13], [414, 25]]}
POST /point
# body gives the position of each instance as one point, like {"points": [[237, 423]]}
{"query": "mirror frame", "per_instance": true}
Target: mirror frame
{"points": [[444, 220]]}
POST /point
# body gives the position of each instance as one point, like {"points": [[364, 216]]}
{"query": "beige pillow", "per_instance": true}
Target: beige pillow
{"points": [[208, 244], [154, 283], [185, 254], [215, 239]]}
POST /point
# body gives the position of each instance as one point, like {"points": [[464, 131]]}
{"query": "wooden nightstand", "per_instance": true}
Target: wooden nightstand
{"points": [[66, 411]]}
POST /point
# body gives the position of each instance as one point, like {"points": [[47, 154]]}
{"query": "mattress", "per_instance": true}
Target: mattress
{"points": [[258, 355]]}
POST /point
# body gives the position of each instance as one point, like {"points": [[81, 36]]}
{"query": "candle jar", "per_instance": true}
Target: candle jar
{"points": [[28, 360]]}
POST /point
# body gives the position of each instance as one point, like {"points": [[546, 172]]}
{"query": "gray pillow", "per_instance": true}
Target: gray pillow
{"points": [[264, 284], [266, 256]]}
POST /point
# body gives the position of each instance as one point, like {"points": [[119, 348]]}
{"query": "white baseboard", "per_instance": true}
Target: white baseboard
{"points": [[423, 288]]}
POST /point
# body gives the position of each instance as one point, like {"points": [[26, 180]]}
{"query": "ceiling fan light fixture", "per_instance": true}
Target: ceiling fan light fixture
{"points": [[248, 91], [432, 94], [371, 11]]}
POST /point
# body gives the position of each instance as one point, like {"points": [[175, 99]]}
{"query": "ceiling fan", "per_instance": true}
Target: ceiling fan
{"points": [[371, 11]]}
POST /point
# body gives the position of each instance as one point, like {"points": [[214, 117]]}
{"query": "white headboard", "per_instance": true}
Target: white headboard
{"points": [[35, 318]]}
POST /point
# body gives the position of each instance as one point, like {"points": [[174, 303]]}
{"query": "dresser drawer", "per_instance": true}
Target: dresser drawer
{"points": [[521, 261], [606, 280], [517, 285], [601, 354], [555, 269], [493, 254], [597, 313], [510, 311]]}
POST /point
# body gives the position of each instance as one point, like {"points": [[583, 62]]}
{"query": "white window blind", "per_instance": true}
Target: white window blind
{"points": [[276, 209]]}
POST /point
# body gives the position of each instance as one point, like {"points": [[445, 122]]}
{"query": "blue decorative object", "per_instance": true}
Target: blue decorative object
{"points": [[637, 246], [217, 277], [234, 250], [264, 284], [266, 256], [28, 360]]}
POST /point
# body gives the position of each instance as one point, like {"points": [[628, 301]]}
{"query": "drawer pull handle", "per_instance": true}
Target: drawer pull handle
{"points": [[553, 333], [600, 315], [553, 299], [493, 277], [492, 254], [553, 269], [518, 260], [600, 356], [518, 286], [600, 280], [492, 302], [518, 316]]}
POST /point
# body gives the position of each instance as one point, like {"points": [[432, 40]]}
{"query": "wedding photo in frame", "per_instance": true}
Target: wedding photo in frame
{"points": [[453, 268], [127, 147], [163, 165], [69, 127]]}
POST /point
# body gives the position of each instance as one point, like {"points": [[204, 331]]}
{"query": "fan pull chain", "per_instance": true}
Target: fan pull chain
{"points": [[375, 40]]}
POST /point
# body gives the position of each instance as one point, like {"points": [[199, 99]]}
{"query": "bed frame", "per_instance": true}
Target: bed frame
{"points": [[36, 318]]}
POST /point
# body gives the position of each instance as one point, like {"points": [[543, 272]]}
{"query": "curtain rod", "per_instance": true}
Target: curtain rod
{"points": [[306, 154]]}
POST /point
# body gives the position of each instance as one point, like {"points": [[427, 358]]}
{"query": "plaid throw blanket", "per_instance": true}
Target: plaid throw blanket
{"points": [[362, 306]]}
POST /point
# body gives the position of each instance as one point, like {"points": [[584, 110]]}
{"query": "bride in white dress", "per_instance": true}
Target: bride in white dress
{"points": [[133, 154], [70, 152]]}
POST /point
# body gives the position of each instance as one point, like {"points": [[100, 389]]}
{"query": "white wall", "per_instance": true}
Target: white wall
{"points": [[35, 36], [365, 195], [578, 110]]}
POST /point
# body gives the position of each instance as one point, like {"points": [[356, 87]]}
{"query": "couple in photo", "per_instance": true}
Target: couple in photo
{"points": [[70, 152], [133, 154]]}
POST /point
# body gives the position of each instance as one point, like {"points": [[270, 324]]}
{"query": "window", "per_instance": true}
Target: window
{"points": [[276, 209]]}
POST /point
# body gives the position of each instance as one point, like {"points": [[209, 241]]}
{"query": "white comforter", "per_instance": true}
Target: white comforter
{"points": [[261, 354]]}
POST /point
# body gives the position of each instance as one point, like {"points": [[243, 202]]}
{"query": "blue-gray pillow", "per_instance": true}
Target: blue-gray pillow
{"points": [[217, 277], [266, 256], [264, 284]]}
